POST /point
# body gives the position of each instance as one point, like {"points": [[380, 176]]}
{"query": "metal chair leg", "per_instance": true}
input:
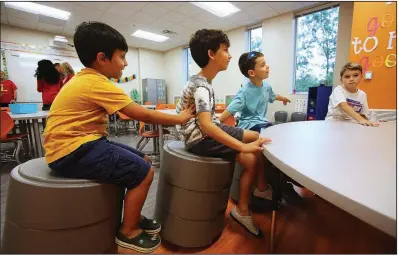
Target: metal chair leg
{"points": [[17, 149], [144, 144], [139, 142]]}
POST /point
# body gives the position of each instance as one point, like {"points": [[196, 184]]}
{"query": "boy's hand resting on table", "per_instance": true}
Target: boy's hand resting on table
{"points": [[255, 146], [187, 113], [368, 123]]}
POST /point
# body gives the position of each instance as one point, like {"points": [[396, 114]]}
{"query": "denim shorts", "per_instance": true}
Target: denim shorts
{"points": [[105, 162]]}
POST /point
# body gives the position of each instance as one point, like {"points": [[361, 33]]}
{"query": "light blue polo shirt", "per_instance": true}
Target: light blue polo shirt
{"points": [[252, 101]]}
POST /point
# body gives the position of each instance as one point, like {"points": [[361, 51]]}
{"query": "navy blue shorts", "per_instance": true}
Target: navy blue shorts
{"points": [[258, 127], [104, 161]]}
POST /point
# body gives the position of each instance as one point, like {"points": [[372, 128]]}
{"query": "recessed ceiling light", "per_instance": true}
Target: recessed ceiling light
{"points": [[221, 9], [39, 9], [149, 36]]}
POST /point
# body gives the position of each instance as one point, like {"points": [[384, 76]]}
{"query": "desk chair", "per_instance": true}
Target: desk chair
{"points": [[7, 124], [298, 116], [280, 117]]}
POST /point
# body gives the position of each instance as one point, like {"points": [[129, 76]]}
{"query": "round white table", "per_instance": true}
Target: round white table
{"points": [[34, 136], [350, 165]]}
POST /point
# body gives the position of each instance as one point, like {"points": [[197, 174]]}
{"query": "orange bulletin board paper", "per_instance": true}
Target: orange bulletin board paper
{"points": [[374, 47]]}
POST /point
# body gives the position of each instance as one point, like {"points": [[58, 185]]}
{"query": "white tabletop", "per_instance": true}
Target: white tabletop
{"points": [[30, 116], [350, 165]]}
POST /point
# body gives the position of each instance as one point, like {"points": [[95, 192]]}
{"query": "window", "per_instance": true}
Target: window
{"points": [[315, 48], [255, 39]]}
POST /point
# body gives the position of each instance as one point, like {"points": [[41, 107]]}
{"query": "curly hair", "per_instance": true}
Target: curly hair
{"points": [[46, 71], [67, 68], [204, 40]]}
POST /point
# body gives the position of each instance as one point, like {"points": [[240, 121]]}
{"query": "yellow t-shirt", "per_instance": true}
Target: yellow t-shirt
{"points": [[79, 113]]}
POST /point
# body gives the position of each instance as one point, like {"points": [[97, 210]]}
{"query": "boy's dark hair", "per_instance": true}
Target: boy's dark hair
{"points": [[247, 62], [351, 66], [46, 71], [204, 40], [93, 37]]}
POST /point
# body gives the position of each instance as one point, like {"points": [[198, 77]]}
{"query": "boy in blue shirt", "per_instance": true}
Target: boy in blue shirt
{"points": [[252, 101]]}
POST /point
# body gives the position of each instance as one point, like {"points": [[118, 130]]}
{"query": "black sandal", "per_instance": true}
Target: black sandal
{"points": [[150, 226], [144, 242]]}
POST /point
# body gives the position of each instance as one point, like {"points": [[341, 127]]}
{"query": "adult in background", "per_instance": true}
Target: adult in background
{"points": [[49, 82], [8, 91], [68, 71]]}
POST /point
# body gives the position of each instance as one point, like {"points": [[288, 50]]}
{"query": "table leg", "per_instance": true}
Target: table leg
{"points": [[44, 123], [23, 130], [31, 139], [277, 198], [38, 141], [161, 141]]}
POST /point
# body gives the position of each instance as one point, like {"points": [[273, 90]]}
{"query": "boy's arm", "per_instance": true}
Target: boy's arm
{"points": [[225, 114], [213, 131], [282, 99], [137, 112], [354, 115], [237, 105]]}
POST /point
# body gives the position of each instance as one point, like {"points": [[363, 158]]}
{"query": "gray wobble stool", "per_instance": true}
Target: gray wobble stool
{"points": [[192, 196], [49, 214]]}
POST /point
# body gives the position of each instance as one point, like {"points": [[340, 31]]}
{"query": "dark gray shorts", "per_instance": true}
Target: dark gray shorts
{"points": [[212, 148]]}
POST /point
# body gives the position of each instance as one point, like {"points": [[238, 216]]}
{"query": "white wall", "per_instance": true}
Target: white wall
{"points": [[175, 77], [226, 82], [152, 61], [278, 39], [229, 81]]}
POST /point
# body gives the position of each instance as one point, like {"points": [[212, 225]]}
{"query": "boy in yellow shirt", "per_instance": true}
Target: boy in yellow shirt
{"points": [[75, 136]]}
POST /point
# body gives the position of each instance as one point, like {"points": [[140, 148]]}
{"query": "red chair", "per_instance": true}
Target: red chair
{"points": [[171, 106], [147, 103], [161, 106], [231, 121], [7, 124]]}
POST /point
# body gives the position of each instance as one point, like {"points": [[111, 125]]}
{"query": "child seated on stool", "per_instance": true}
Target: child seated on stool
{"points": [[75, 136], [252, 102], [205, 136], [347, 101]]}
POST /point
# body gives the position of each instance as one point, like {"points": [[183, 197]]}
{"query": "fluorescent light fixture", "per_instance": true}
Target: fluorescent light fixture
{"points": [[221, 9], [149, 36], [60, 38], [39, 9]]}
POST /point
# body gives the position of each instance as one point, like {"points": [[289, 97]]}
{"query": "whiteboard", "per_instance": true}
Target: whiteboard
{"points": [[21, 68]]}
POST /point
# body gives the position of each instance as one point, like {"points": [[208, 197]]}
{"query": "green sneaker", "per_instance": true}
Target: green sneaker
{"points": [[144, 242], [150, 226]]}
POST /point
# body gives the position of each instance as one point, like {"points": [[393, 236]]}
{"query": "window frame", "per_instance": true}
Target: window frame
{"points": [[298, 14]]}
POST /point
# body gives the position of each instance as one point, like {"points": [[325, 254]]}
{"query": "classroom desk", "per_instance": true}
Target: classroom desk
{"points": [[33, 130], [350, 165]]}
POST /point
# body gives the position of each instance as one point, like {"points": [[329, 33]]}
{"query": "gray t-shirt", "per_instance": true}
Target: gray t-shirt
{"points": [[200, 92]]}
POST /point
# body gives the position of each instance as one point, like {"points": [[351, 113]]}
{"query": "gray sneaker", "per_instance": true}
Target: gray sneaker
{"points": [[246, 222]]}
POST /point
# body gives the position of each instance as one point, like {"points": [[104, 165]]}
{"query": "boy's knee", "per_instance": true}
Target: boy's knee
{"points": [[150, 176], [247, 160]]}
